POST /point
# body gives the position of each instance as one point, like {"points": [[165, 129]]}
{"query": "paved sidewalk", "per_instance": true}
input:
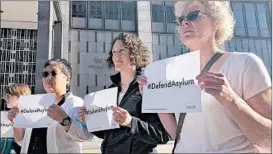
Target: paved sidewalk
{"points": [[94, 146]]}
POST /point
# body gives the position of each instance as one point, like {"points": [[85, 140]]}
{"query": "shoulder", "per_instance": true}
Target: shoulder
{"points": [[244, 60], [245, 56], [75, 100]]}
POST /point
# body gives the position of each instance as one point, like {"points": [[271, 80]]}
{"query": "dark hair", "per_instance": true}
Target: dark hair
{"points": [[139, 53], [63, 65]]}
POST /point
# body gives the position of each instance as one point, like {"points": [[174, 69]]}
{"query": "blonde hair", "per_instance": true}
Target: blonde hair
{"points": [[218, 11], [18, 89]]}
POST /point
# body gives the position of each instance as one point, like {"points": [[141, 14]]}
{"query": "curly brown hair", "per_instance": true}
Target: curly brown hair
{"points": [[139, 53]]}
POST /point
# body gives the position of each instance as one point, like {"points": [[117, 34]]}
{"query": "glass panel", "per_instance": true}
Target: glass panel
{"points": [[95, 9], [79, 9], [163, 51], [236, 6], [252, 32], [112, 10], [170, 14], [261, 8], [251, 19], [162, 39], [262, 20], [155, 39], [239, 31], [265, 33], [157, 13], [245, 45], [252, 46], [239, 45], [239, 18], [128, 22], [232, 45], [170, 40], [128, 11]]}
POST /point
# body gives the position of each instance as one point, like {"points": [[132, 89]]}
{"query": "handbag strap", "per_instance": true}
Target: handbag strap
{"points": [[214, 58]]}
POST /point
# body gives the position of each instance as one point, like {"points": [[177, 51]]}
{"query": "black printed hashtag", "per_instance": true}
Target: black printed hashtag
{"points": [[149, 86]]}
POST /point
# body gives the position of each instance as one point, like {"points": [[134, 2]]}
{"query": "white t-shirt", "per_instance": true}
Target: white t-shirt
{"points": [[120, 96], [213, 130]]}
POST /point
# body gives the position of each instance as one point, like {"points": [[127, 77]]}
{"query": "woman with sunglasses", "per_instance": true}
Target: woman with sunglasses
{"points": [[11, 96], [236, 91], [138, 132], [56, 77]]}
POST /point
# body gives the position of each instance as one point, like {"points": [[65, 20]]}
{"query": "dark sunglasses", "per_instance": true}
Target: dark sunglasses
{"points": [[190, 17], [46, 74]]}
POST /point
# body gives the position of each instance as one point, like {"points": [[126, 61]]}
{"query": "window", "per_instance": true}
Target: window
{"points": [[163, 17], [240, 22], [95, 9], [104, 15], [262, 18], [157, 13], [251, 19], [170, 14], [79, 9], [112, 10], [128, 9]]}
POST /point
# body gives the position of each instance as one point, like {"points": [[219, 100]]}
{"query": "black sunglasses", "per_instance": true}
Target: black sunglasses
{"points": [[190, 17], [46, 74]]}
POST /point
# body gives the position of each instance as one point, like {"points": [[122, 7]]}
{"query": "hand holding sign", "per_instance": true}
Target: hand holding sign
{"points": [[142, 81], [33, 111], [172, 80], [56, 113], [81, 114], [99, 110], [12, 113], [122, 116]]}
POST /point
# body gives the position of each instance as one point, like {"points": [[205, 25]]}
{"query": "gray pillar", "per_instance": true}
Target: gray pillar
{"points": [[58, 40], [65, 8], [44, 40], [144, 25]]}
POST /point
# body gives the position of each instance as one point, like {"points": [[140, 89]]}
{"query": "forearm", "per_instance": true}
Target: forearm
{"points": [[256, 127], [78, 131], [169, 122], [149, 132], [18, 134]]}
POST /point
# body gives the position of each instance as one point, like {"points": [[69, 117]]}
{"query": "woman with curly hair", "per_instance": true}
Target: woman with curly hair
{"points": [[138, 132]]}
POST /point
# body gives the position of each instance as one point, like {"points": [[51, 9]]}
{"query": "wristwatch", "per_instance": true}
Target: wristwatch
{"points": [[66, 121]]}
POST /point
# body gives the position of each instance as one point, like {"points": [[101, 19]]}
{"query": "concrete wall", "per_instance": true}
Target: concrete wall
{"points": [[19, 14]]}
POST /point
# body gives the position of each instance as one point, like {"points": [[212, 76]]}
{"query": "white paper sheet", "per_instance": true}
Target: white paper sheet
{"points": [[33, 110], [6, 125], [172, 85], [99, 109]]}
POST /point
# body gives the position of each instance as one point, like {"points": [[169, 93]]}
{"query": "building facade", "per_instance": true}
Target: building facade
{"points": [[94, 24], [18, 43], [88, 27]]}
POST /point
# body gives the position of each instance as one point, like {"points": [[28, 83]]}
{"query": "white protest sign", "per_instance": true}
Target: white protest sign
{"points": [[172, 86], [99, 109], [33, 111], [6, 125]]}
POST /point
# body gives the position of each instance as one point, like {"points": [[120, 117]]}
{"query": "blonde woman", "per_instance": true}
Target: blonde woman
{"points": [[11, 96], [236, 91]]}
